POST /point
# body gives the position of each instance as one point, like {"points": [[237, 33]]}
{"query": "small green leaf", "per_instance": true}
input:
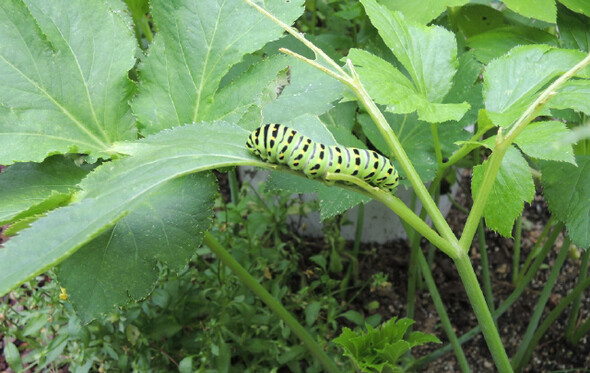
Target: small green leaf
{"points": [[513, 186], [312, 311], [13, 356], [544, 140], [545, 10], [567, 190]]}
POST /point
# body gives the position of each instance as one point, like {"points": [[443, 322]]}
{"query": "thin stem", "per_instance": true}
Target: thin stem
{"points": [[550, 319], [442, 313], [525, 344], [309, 342], [535, 250], [516, 253], [485, 266], [573, 318], [299, 36], [484, 317], [502, 145]]}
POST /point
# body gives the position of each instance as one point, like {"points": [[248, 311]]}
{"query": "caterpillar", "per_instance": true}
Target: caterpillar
{"points": [[276, 143]]}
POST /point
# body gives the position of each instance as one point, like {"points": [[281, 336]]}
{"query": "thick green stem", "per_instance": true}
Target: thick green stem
{"points": [[484, 317], [309, 342]]}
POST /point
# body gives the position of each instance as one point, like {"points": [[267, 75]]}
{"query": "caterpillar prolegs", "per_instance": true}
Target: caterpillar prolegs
{"points": [[276, 143]]}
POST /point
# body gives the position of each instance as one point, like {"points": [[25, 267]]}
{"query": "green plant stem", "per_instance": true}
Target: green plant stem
{"points": [[513, 297], [550, 319], [573, 317], [535, 250], [484, 317], [516, 253], [442, 313], [485, 266], [309, 342], [397, 206], [584, 328], [502, 145], [525, 344]]}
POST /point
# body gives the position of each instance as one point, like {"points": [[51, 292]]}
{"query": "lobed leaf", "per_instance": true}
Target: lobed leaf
{"points": [[512, 187], [108, 195], [197, 43], [64, 86]]}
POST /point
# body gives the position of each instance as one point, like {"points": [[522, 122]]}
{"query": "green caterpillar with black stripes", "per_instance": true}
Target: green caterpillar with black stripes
{"points": [[276, 143]]}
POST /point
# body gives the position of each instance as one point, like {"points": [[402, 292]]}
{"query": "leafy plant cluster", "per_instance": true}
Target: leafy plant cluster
{"points": [[113, 115], [199, 319]]}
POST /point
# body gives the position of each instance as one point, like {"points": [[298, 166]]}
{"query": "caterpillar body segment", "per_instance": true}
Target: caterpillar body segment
{"points": [[276, 143]]}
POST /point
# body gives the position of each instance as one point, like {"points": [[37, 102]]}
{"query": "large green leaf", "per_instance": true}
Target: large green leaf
{"points": [[197, 43], [120, 264], [545, 140], [494, 43], [310, 92], [429, 54], [512, 82], [422, 11], [545, 10], [567, 190], [579, 6], [574, 29], [513, 186], [32, 188], [573, 95], [64, 84], [117, 188]]}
